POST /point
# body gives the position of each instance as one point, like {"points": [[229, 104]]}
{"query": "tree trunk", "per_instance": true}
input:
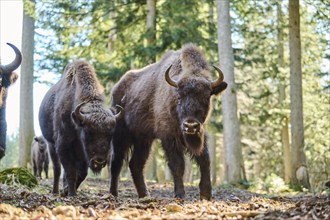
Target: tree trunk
{"points": [[232, 147], [26, 129], [298, 158], [286, 149], [188, 170], [151, 165], [282, 96], [113, 31], [213, 160], [151, 26]]}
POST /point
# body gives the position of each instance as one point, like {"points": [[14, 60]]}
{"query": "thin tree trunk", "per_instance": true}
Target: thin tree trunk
{"points": [[168, 175], [26, 129], [282, 96], [151, 165], [188, 171], [213, 160], [113, 31], [232, 147], [151, 30], [298, 158], [151, 26]]}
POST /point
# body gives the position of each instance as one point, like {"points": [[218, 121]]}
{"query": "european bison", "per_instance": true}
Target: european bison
{"points": [[39, 155], [169, 100], [77, 125], [7, 78]]}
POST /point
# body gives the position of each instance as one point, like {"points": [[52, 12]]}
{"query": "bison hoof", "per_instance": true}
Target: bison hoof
{"points": [[206, 197], [55, 192], [180, 195], [144, 195], [114, 193]]}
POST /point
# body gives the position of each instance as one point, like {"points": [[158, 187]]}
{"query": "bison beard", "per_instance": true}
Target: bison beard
{"points": [[77, 125], [169, 100]]}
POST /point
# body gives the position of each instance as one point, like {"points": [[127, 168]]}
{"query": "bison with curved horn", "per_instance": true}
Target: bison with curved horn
{"points": [[7, 78], [169, 100], [77, 125]]}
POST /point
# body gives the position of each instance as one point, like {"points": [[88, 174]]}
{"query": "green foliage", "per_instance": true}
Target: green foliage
{"points": [[29, 8], [271, 184], [12, 149], [111, 34], [20, 175]]}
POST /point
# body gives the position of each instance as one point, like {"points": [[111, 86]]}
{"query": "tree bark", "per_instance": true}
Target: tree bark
{"points": [[151, 26], [188, 170], [232, 147], [285, 140], [298, 158], [213, 158], [151, 165], [26, 129]]}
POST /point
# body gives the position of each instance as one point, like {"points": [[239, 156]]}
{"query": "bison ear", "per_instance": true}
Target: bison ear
{"points": [[13, 78], [218, 89]]}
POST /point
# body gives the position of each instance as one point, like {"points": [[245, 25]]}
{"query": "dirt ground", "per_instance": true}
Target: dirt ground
{"points": [[95, 202]]}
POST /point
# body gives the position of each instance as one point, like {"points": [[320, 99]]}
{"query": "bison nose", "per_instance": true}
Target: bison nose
{"points": [[98, 164], [191, 127]]}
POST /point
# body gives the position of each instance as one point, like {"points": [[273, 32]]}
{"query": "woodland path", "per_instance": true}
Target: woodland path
{"points": [[94, 202]]}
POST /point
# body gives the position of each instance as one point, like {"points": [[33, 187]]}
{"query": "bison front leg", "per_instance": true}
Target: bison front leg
{"points": [[3, 131], [82, 168], [176, 164], [39, 167], [139, 158], [120, 148], [56, 167], [34, 167], [70, 176], [203, 162], [68, 160], [46, 166]]}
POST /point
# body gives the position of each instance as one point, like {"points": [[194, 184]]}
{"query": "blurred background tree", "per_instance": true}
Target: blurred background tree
{"points": [[115, 36]]}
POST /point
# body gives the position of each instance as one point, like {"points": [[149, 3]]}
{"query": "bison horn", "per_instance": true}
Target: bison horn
{"points": [[77, 112], [15, 64], [217, 82], [168, 78], [120, 114]]}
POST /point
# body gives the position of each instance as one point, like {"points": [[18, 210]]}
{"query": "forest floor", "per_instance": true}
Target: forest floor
{"points": [[94, 202]]}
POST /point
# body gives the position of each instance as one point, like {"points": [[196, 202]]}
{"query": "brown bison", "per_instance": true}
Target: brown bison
{"points": [[39, 155], [77, 125], [7, 78], [169, 100]]}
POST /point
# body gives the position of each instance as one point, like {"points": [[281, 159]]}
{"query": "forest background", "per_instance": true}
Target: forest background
{"points": [[115, 36]]}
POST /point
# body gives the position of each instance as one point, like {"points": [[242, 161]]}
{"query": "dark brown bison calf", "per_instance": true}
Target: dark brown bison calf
{"points": [[39, 155]]}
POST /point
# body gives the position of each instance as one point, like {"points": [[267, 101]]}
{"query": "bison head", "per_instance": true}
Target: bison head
{"points": [[7, 76], [96, 125], [41, 143], [194, 91]]}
